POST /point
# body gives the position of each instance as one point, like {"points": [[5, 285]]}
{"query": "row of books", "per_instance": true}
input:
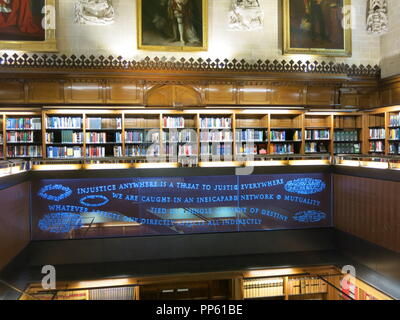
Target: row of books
{"points": [[250, 135], [246, 150], [223, 123], [20, 136], [317, 134], [261, 288], [306, 286], [315, 147], [282, 148], [24, 152], [377, 133], [216, 136], [66, 136], [24, 124], [394, 148], [377, 146], [181, 150], [121, 293], [344, 136], [394, 134], [218, 149], [64, 152], [103, 123], [142, 137], [181, 136], [347, 148], [64, 123], [101, 137], [1, 138], [174, 122], [394, 120], [101, 152], [142, 151], [283, 135]]}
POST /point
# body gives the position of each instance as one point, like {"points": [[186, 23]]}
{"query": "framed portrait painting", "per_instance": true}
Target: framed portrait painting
{"points": [[172, 25], [28, 25], [317, 27]]}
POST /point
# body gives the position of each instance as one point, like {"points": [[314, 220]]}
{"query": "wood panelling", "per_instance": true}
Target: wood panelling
{"points": [[12, 91], [84, 92], [288, 95], [14, 221], [172, 95], [321, 96], [127, 92], [369, 209], [218, 94], [255, 95], [46, 92]]}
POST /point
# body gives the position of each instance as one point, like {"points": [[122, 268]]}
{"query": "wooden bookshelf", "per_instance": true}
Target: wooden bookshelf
{"points": [[348, 134], [319, 133], [22, 135], [294, 283], [239, 133], [286, 132], [251, 135]]}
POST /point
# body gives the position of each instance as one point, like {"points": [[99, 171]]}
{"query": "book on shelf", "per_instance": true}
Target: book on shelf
{"points": [[64, 152], [102, 137], [377, 133], [276, 135], [134, 136], [394, 134], [377, 146], [216, 150], [297, 286], [24, 151], [135, 151], [95, 152], [347, 148], [315, 147], [394, 148], [66, 136], [173, 122], [1, 138], [187, 150], [318, 134], [24, 124], [99, 123], [249, 135], [246, 149], [394, 120], [216, 136], [117, 151], [282, 148], [64, 122], [212, 122], [346, 135], [20, 136], [262, 288]]}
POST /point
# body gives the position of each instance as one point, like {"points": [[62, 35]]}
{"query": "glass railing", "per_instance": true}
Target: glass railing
{"points": [[12, 167]]}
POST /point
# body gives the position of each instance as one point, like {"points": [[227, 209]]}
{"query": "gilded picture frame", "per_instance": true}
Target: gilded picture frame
{"points": [[320, 28], [46, 28], [158, 28]]}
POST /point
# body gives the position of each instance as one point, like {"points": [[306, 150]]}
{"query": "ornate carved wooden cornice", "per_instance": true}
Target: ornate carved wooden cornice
{"points": [[59, 62]]}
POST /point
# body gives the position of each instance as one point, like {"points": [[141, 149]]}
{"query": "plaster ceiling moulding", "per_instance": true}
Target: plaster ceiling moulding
{"points": [[246, 15], [94, 12], [377, 19]]}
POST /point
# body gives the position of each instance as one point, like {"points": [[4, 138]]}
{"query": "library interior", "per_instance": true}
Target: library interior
{"points": [[200, 150]]}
